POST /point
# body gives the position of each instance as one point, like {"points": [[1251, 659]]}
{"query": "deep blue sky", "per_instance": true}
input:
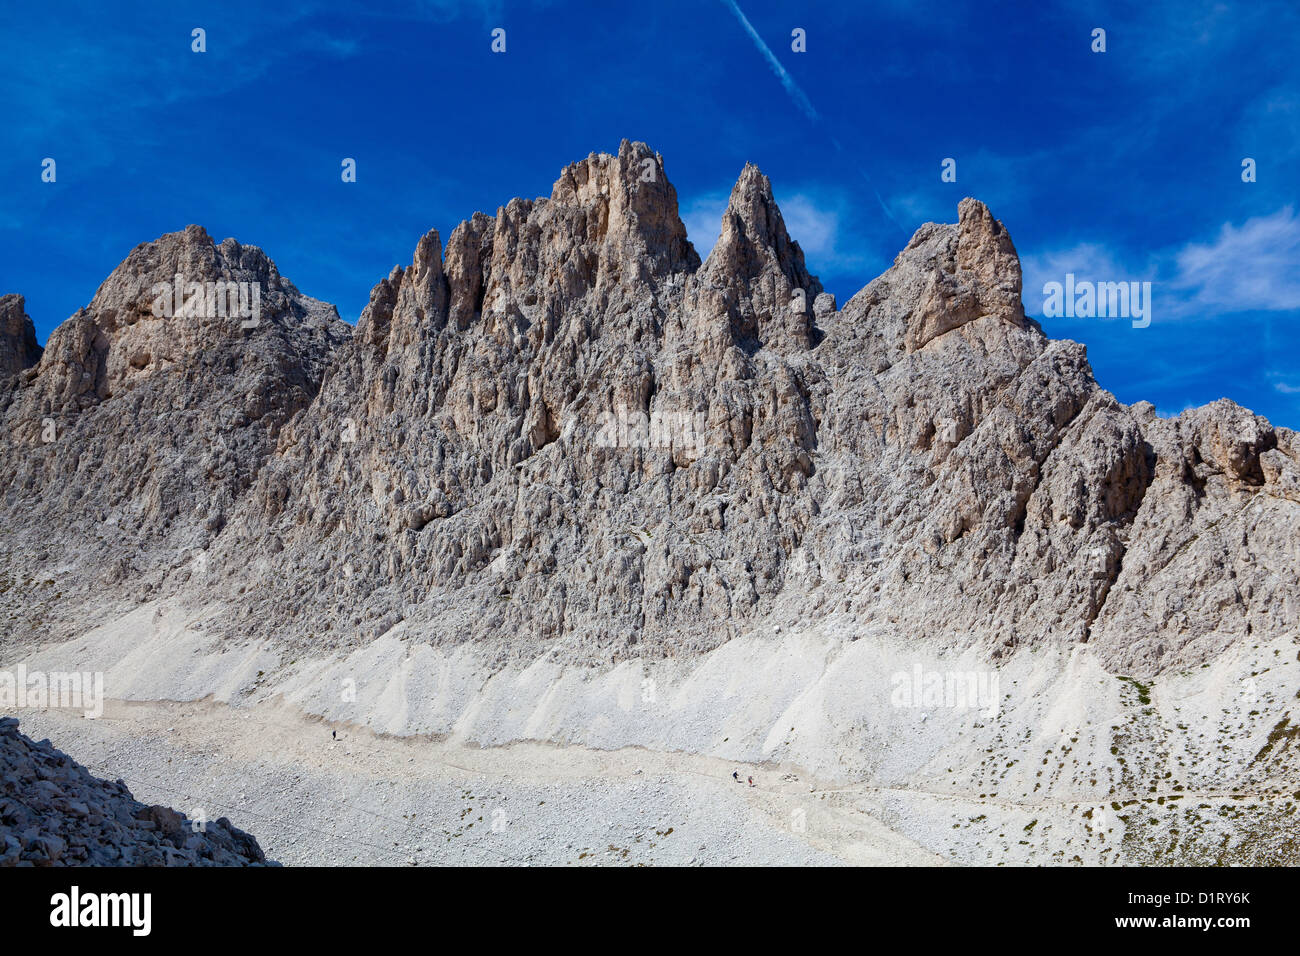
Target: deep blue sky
{"points": [[1122, 165]]}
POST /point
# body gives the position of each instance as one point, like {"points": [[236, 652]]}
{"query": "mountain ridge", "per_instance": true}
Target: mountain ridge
{"points": [[923, 457]]}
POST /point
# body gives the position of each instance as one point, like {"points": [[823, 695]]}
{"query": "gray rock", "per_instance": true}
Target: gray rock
{"points": [[38, 827], [19, 350]]}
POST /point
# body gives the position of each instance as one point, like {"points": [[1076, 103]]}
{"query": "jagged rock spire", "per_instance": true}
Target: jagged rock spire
{"points": [[767, 289]]}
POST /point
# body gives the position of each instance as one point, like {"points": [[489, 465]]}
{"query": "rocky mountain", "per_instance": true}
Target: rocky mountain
{"points": [[53, 812], [566, 482], [562, 433], [127, 443]]}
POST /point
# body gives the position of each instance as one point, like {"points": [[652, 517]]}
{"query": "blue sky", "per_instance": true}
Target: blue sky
{"points": [[1123, 165]]}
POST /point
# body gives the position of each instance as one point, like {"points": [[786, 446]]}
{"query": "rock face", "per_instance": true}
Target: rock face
{"points": [[18, 348], [131, 439], [564, 433], [53, 812]]}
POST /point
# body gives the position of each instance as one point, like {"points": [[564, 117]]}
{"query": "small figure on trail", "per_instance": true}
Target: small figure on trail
{"points": [[751, 781], [735, 775], [334, 735]]}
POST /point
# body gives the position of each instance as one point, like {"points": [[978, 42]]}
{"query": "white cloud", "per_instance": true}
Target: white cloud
{"points": [[1167, 413], [703, 219], [824, 223], [1248, 267], [1087, 261], [814, 227], [913, 209], [812, 222]]}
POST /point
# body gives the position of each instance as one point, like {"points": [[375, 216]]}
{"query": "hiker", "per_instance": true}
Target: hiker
{"points": [[334, 735], [751, 781], [735, 775]]}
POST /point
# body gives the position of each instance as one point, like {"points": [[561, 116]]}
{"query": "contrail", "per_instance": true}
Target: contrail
{"points": [[791, 87], [801, 99]]}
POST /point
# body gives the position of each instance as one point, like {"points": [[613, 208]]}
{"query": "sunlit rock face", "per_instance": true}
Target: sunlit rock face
{"points": [[564, 433]]}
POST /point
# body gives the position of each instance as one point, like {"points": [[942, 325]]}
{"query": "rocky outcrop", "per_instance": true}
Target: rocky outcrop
{"points": [[565, 434], [53, 812], [18, 347]]}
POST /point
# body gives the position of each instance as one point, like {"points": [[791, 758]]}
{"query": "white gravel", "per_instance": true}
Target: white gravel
{"points": [[366, 799]]}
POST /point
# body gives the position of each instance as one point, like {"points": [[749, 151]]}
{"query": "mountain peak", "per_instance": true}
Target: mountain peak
{"points": [[188, 263], [754, 240], [630, 205], [766, 286], [950, 275], [181, 301]]}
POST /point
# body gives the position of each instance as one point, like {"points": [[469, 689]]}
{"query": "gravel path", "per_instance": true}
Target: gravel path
{"points": [[365, 799]]}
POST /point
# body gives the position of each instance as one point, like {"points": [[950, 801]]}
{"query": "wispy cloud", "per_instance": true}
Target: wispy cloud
{"points": [[141, 72], [918, 207], [702, 217], [819, 220], [1252, 266], [1246, 268], [1086, 261]]}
